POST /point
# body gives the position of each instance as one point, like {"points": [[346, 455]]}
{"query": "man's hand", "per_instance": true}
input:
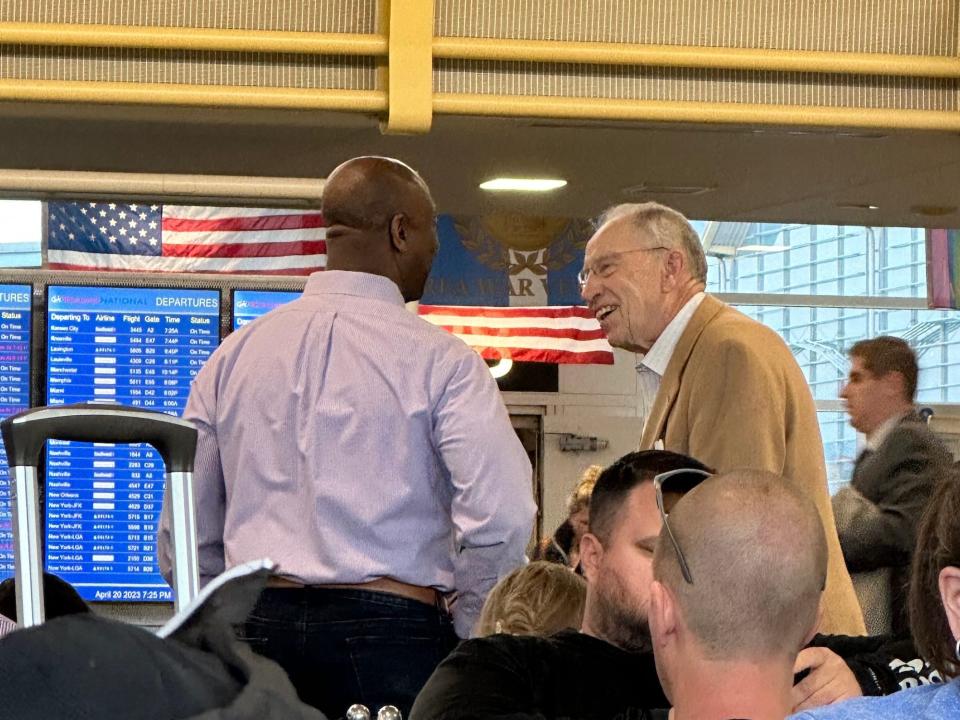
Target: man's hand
{"points": [[829, 679]]}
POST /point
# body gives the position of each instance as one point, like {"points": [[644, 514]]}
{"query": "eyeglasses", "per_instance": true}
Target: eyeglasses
{"points": [[605, 266], [685, 484]]}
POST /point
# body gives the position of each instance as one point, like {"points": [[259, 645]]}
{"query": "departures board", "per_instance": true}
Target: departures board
{"points": [[135, 346], [248, 305], [15, 321]]}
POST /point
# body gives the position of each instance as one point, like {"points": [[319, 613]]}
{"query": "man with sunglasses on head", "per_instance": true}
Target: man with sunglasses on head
{"points": [[604, 670], [738, 575], [713, 383]]}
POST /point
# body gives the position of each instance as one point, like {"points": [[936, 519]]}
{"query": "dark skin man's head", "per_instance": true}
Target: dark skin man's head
{"points": [[381, 220]]}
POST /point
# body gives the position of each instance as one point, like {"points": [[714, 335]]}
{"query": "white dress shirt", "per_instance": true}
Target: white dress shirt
{"points": [[653, 365]]}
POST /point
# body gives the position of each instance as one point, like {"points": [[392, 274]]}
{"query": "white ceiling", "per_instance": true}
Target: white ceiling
{"points": [[770, 173]]}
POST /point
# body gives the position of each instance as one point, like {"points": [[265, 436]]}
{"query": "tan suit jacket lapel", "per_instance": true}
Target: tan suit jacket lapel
{"points": [[655, 427]]}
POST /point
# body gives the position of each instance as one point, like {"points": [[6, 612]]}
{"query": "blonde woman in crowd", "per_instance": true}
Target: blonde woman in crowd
{"points": [[564, 545], [540, 598]]}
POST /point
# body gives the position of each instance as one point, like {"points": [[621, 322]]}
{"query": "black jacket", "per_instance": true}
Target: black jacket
{"points": [[81, 667], [572, 676], [568, 675]]}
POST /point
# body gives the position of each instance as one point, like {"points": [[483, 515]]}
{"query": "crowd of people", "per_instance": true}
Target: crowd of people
{"points": [[705, 575]]}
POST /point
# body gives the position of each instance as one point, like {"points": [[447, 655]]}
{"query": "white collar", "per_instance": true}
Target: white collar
{"points": [[875, 439], [658, 357]]}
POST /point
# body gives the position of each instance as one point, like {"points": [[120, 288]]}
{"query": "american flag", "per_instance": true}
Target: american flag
{"points": [[559, 334], [181, 238], [176, 238]]}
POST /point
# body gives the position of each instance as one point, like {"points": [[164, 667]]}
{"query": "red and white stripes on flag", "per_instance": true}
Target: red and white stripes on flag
{"points": [[243, 240], [186, 239], [559, 334]]}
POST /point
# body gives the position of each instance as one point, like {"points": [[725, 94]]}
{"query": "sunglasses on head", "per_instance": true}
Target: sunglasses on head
{"points": [[670, 486]]}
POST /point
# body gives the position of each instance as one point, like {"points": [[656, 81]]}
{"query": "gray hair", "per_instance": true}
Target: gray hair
{"points": [[669, 229]]}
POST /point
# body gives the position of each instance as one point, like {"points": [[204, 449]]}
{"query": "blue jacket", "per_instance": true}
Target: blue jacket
{"points": [[928, 702]]}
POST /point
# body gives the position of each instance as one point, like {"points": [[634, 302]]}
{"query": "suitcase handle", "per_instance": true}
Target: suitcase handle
{"points": [[25, 433]]}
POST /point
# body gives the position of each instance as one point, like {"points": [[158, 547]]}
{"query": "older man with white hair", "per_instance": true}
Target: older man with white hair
{"points": [[714, 383]]}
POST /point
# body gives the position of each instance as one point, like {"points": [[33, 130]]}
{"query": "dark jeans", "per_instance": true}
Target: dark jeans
{"points": [[341, 647]]}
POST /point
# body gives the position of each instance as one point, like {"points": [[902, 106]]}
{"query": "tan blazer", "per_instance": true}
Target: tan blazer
{"points": [[734, 397]]}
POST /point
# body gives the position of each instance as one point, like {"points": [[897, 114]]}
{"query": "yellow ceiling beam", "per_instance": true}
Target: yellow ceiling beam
{"points": [[694, 112], [717, 58], [414, 16], [406, 49], [197, 39], [409, 75], [123, 93]]}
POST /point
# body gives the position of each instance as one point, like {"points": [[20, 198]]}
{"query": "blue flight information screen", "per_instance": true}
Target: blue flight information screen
{"points": [[133, 346], [14, 395], [248, 305]]}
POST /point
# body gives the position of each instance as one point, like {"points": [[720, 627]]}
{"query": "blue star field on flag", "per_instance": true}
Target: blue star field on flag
{"points": [[105, 228]]}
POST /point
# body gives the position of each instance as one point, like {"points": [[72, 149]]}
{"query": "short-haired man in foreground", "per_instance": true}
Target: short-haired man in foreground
{"points": [[739, 571], [607, 670]]}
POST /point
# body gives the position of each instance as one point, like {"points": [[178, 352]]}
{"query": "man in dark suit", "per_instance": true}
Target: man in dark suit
{"points": [[893, 478]]}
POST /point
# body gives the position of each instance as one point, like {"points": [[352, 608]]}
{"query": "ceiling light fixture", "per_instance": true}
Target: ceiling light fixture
{"points": [[508, 184], [857, 206], [645, 189]]}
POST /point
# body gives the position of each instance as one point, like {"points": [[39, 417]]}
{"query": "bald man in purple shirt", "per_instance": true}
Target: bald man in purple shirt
{"points": [[365, 451]]}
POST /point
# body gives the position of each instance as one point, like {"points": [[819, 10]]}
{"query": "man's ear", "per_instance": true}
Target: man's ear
{"points": [[900, 382], [950, 595], [398, 232], [591, 555], [662, 614], [893, 383], [673, 267]]}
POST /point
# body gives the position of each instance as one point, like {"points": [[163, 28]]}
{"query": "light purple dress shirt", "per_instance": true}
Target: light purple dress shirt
{"points": [[347, 439]]}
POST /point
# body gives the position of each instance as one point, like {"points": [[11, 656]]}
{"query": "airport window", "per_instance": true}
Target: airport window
{"points": [[21, 233], [847, 275]]}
